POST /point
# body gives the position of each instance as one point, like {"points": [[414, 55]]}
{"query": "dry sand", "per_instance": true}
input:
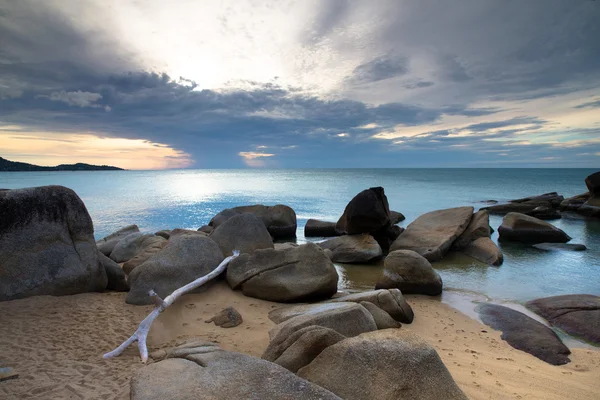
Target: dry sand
{"points": [[56, 346]]}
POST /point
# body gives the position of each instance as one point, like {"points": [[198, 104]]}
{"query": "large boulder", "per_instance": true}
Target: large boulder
{"points": [[47, 244], [201, 370], [390, 300], [282, 314], [525, 333], [280, 220], [293, 274], [432, 234], [593, 184], [479, 227], [242, 232], [114, 273], [107, 244], [576, 314], [135, 244], [317, 228], [184, 259], [525, 229], [411, 273], [148, 248], [367, 212], [353, 248], [575, 202], [383, 320], [485, 250], [387, 364], [554, 199]]}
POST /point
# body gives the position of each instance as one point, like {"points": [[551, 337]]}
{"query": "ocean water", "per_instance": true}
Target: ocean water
{"points": [[158, 200]]}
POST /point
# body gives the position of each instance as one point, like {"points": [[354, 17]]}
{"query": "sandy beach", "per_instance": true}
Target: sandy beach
{"points": [[56, 346]]}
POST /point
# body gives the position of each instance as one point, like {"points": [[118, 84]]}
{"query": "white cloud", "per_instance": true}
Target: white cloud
{"points": [[78, 98], [255, 159]]}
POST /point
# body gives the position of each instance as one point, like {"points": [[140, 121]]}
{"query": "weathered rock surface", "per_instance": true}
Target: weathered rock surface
{"points": [[184, 259], [432, 234], [479, 227], [227, 318], [188, 232], [135, 244], [280, 220], [387, 364], [526, 229], [485, 250], [390, 300], [367, 212], [353, 248], [165, 233], [545, 213], [411, 273], [115, 276], [283, 246], [554, 199], [573, 203], [525, 334], [294, 274], [206, 229], [396, 217], [281, 314], [243, 232], [107, 244], [383, 320], [576, 314], [317, 228], [302, 346], [47, 244], [560, 246], [147, 248], [201, 370]]}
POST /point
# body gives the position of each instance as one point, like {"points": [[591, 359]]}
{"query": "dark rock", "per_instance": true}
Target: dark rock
{"points": [[353, 248], [432, 234], [391, 301], [383, 320], [146, 250], [184, 259], [294, 274], [201, 370], [553, 198], [545, 213], [523, 208], [396, 217], [387, 364], [573, 203], [367, 212], [525, 334], [47, 244], [227, 318], [114, 274], [576, 314], [560, 246], [107, 244], [165, 233], [206, 229], [411, 273], [484, 250], [386, 236], [317, 228], [479, 227], [525, 229], [593, 184], [280, 220], [243, 232]]}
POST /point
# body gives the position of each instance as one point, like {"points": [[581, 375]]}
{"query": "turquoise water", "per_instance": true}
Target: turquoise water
{"points": [[158, 200]]}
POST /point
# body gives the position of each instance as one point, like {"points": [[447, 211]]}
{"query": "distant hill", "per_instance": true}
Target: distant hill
{"points": [[12, 166]]}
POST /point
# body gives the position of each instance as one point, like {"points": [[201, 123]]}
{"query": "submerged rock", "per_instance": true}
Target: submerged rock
{"points": [[525, 334], [47, 244], [560, 246], [411, 273], [280, 220], [485, 250], [353, 248], [243, 232], [526, 229], [317, 228]]}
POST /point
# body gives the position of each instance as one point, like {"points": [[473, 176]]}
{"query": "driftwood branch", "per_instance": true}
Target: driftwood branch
{"points": [[141, 334]]}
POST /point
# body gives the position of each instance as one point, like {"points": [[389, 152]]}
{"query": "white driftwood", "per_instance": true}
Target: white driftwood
{"points": [[142, 331]]}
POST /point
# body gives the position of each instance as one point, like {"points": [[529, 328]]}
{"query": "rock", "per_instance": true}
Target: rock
{"points": [[135, 244], [485, 250], [367, 212], [560, 246], [47, 244], [525, 334], [593, 184], [573, 203], [576, 314], [184, 259], [295, 274], [280, 220], [432, 234], [489, 201], [383, 320], [165, 233], [592, 206], [281, 314], [411, 273], [188, 232], [396, 217], [106, 245], [553, 198], [206, 229], [479, 227], [202, 370], [387, 364], [148, 248], [386, 236], [302, 346], [243, 232], [524, 208], [317, 228], [283, 246], [391, 301], [545, 213], [115, 276], [350, 320], [353, 248], [525, 229], [7, 373], [227, 318]]}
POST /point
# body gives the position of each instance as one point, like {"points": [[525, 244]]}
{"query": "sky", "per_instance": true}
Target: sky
{"points": [[160, 84]]}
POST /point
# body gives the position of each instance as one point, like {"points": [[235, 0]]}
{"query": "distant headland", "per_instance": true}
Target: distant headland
{"points": [[13, 166]]}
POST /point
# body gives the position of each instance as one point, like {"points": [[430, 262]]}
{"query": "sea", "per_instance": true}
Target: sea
{"points": [[156, 200]]}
